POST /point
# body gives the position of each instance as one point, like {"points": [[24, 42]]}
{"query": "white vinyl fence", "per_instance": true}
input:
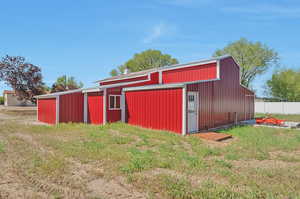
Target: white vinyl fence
{"points": [[277, 107]]}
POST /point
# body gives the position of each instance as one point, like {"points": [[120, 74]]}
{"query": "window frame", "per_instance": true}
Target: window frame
{"points": [[115, 102]]}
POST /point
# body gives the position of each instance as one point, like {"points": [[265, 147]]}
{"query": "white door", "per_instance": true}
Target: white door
{"points": [[193, 104]]}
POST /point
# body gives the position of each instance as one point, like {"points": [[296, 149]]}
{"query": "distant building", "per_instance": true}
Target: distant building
{"points": [[11, 99]]}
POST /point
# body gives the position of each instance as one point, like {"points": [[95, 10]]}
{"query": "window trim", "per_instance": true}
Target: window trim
{"points": [[115, 102]]}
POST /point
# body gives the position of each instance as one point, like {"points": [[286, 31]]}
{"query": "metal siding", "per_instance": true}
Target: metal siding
{"points": [[71, 107], [47, 110], [95, 108], [156, 109], [115, 115], [193, 73], [125, 80], [220, 100]]}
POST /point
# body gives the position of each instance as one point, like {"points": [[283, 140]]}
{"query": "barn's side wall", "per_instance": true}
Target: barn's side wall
{"points": [[47, 110], [188, 74], [95, 107], [71, 107], [156, 109], [223, 101]]}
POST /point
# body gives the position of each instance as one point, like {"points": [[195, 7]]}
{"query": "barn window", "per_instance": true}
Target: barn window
{"points": [[114, 102]]}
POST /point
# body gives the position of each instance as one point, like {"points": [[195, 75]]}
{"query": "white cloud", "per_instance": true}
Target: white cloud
{"points": [[156, 32]]}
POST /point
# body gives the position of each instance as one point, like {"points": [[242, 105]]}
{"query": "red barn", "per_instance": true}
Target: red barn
{"points": [[182, 98]]}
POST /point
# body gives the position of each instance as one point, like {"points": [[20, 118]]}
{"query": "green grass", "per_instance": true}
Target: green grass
{"points": [[1, 147], [186, 167], [288, 117]]}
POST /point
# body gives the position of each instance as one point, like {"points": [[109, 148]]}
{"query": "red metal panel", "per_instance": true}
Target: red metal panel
{"points": [[71, 107], [115, 115], [145, 77], [157, 109], [47, 110], [222, 102], [95, 108], [193, 73]]}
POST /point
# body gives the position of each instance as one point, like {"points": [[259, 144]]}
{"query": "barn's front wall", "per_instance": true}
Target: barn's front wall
{"points": [[155, 109]]}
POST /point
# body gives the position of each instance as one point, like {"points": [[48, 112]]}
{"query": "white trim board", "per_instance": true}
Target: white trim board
{"points": [[53, 95], [184, 114], [85, 108]]}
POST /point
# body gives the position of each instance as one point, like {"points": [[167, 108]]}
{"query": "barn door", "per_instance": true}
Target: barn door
{"points": [[193, 102]]}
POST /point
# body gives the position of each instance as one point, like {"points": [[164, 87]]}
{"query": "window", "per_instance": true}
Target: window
{"points": [[114, 102]]}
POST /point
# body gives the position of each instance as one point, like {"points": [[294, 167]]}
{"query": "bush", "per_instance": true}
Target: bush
{"points": [[1, 100]]}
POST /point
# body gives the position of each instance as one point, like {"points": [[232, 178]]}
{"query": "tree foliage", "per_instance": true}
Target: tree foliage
{"points": [[25, 78], [64, 83], [145, 60], [285, 85], [253, 57]]}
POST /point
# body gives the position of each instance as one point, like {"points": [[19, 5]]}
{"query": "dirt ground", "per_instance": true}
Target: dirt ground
{"points": [[16, 183]]}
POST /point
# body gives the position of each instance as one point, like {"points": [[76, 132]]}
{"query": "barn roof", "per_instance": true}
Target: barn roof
{"points": [[145, 72]]}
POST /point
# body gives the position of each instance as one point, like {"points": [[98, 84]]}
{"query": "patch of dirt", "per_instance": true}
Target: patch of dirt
{"points": [[290, 154], [222, 143], [113, 189], [195, 180], [263, 164]]}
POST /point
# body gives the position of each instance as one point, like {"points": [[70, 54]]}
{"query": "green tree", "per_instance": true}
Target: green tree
{"points": [[64, 83], [253, 57], [145, 60], [285, 85]]}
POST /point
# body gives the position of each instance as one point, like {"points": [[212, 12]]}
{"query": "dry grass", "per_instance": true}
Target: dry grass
{"points": [[122, 161]]}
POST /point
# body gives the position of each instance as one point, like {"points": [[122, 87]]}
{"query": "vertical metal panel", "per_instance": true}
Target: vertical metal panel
{"points": [[145, 77], [47, 110], [156, 109], [115, 115], [71, 107], [223, 101], [95, 107], [193, 73]]}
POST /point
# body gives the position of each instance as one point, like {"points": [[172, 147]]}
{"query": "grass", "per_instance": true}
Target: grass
{"points": [[159, 163], [288, 117], [1, 147]]}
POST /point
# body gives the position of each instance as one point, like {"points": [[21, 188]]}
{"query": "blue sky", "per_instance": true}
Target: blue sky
{"points": [[88, 38]]}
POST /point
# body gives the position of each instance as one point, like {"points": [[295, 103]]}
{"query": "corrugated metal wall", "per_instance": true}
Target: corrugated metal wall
{"points": [[221, 101], [115, 115], [145, 77], [47, 110], [156, 109], [71, 107], [95, 108], [188, 74]]}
